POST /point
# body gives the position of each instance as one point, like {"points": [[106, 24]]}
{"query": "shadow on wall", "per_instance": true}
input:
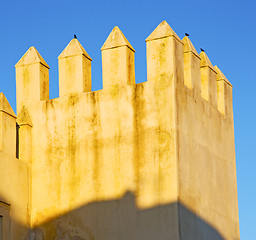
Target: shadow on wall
{"points": [[122, 220]]}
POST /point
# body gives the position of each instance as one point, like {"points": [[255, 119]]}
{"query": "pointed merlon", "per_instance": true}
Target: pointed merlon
{"points": [[30, 57], [188, 46], [205, 61], [23, 117], [5, 106], [221, 76], [74, 48], [161, 31], [116, 39]]}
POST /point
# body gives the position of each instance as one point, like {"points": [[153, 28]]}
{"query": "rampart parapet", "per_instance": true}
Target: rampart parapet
{"points": [[118, 67]]}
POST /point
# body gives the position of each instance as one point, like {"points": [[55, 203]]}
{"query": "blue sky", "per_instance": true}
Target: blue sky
{"points": [[225, 29]]}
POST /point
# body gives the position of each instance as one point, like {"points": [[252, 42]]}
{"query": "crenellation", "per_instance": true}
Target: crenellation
{"points": [[118, 67], [208, 80], [224, 93], [192, 75], [32, 79], [7, 127], [74, 69], [164, 55]]}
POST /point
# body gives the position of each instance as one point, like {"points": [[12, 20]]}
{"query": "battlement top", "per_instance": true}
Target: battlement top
{"points": [[167, 55], [74, 48], [30, 57], [116, 39], [5, 106], [161, 31]]}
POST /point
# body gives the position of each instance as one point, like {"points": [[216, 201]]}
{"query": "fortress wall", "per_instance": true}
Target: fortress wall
{"points": [[161, 142]]}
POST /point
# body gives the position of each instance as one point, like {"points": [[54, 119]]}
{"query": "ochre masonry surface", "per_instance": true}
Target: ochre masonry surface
{"points": [[147, 161]]}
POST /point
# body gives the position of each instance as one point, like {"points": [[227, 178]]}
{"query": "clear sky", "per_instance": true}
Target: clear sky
{"points": [[225, 29]]}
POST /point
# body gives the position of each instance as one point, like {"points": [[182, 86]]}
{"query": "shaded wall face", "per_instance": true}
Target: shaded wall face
{"points": [[117, 219], [207, 171], [4, 221]]}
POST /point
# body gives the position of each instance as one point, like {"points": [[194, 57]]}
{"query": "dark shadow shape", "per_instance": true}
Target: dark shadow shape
{"points": [[121, 220]]}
